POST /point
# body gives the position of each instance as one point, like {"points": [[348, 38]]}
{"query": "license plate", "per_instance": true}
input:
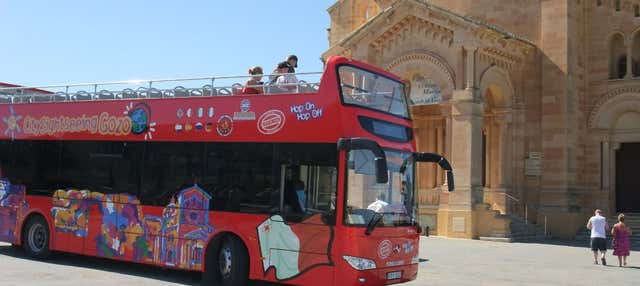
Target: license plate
{"points": [[394, 275]]}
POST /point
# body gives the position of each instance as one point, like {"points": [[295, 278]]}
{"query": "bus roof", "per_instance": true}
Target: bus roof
{"points": [[210, 112]]}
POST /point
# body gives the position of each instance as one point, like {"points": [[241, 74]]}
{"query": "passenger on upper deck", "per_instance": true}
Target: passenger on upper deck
{"points": [[292, 60], [254, 85], [286, 82]]}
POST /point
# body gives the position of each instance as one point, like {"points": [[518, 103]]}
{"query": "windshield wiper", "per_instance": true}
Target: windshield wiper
{"points": [[375, 220]]}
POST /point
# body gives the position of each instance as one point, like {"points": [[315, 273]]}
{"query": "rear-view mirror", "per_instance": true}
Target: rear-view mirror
{"points": [[382, 176]]}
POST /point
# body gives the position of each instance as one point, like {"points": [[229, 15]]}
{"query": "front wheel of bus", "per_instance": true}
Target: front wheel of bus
{"points": [[36, 238], [229, 265]]}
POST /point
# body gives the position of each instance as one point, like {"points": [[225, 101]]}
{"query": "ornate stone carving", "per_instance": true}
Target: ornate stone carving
{"points": [[413, 25], [444, 68], [606, 98]]}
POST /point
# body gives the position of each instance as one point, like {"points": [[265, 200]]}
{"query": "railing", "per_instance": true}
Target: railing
{"points": [[159, 88], [526, 211]]}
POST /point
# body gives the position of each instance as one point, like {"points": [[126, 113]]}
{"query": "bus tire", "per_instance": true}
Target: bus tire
{"points": [[35, 238], [227, 264]]}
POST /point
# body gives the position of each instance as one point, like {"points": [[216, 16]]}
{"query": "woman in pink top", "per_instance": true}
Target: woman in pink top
{"points": [[621, 246]]}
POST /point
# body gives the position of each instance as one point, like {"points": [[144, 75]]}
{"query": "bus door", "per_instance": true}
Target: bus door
{"points": [[299, 237]]}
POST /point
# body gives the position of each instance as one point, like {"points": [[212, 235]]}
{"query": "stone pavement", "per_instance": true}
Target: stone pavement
{"points": [[445, 262], [474, 262]]}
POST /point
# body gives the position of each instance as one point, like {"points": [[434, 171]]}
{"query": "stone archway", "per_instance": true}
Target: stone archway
{"points": [[428, 66], [497, 94], [615, 124], [432, 81]]}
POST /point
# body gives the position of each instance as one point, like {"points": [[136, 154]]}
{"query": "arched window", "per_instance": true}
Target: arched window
{"points": [[617, 5], [622, 66], [617, 57], [635, 55], [599, 3], [636, 10]]}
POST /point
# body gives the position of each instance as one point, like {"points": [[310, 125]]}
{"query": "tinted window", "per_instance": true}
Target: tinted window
{"points": [[240, 177]]}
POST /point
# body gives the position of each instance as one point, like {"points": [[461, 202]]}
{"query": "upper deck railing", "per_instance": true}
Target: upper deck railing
{"points": [[160, 88]]}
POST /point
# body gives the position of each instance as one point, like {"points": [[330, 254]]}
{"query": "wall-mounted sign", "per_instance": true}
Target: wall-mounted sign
{"points": [[424, 91], [533, 164]]}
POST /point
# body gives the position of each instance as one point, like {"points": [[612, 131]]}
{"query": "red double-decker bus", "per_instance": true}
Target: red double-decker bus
{"points": [[311, 187]]}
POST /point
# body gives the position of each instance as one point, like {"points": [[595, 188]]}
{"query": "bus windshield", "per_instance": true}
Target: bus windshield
{"points": [[365, 197], [370, 90]]}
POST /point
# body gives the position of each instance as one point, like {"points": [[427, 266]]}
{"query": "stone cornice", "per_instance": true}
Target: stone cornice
{"points": [[498, 49], [413, 24], [499, 57]]}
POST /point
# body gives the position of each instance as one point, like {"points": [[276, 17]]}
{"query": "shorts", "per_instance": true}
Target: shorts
{"points": [[598, 243]]}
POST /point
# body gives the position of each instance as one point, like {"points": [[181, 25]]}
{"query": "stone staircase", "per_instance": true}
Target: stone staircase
{"points": [[631, 219], [519, 231], [526, 231]]}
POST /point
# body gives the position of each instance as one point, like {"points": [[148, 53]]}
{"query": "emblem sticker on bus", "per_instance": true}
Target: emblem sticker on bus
{"points": [[225, 125], [271, 122], [245, 112], [384, 249]]}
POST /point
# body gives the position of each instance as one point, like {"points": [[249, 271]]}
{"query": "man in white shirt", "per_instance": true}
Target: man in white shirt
{"points": [[599, 227], [379, 205], [286, 81]]}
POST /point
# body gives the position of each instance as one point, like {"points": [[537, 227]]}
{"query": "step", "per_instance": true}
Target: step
{"points": [[496, 239]]}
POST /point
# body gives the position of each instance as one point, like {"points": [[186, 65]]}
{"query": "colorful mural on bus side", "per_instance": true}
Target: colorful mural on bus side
{"points": [[12, 208], [176, 239]]}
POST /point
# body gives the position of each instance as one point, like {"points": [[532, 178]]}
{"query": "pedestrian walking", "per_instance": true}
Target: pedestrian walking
{"points": [[621, 244], [598, 226]]}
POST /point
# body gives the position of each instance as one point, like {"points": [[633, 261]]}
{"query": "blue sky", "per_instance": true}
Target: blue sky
{"points": [[96, 41]]}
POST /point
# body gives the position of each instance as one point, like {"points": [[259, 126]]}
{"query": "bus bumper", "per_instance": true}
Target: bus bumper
{"points": [[346, 275]]}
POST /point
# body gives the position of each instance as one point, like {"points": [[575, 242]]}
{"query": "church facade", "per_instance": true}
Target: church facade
{"points": [[536, 104]]}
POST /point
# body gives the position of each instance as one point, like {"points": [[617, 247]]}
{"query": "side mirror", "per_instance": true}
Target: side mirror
{"points": [[438, 159], [450, 183], [382, 176]]}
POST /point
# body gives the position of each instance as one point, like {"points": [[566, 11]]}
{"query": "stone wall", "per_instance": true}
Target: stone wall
{"points": [[548, 92]]}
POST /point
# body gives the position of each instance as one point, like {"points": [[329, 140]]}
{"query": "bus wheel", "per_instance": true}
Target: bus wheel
{"points": [[229, 265], [35, 237]]}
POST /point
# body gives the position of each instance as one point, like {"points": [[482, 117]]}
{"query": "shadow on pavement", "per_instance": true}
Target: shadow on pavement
{"points": [[574, 243], [121, 267]]}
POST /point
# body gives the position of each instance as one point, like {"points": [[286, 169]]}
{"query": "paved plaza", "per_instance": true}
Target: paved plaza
{"points": [[444, 262]]}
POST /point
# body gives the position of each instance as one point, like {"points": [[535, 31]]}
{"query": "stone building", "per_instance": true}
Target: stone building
{"points": [[536, 103]]}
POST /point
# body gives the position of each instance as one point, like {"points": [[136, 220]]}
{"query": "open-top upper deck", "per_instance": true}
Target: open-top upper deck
{"points": [[313, 111]]}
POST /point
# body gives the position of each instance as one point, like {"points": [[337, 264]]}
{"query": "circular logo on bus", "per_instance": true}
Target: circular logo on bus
{"points": [[384, 249], [139, 118], [271, 122], [245, 105], [224, 125]]}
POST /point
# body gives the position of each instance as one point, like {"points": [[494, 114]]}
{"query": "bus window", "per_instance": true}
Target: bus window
{"points": [[34, 164], [310, 180], [169, 167], [103, 167], [370, 90]]}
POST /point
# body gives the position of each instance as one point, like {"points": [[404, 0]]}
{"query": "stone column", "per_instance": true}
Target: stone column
{"points": [[503, 170], [469, 71], [606, 166], [465, 157], [628, 44], [613, 148]]}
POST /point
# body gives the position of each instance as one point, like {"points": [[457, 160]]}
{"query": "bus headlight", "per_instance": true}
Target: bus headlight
{"points": [[360, 263]]}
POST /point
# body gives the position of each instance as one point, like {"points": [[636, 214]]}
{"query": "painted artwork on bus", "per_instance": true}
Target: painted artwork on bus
{"points": [[292, 249], [176, 238], [12, 208]]}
